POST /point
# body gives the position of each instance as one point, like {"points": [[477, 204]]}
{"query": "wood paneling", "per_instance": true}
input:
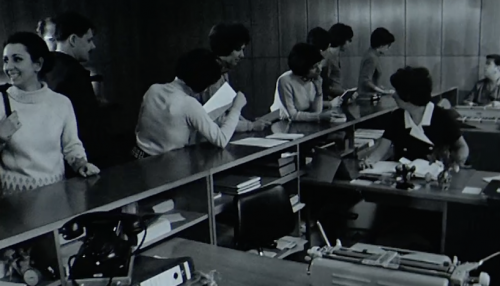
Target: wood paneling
{"points": [[389, 65], [239, 12], [284, 65], [433, 64], [241, 79], [460, 71], [350, 71], [423, 27], [265, 28], [293, 24], [390, 14], [321, 13], [265, 74], [490, 21], [461, 24], [356, 13]]}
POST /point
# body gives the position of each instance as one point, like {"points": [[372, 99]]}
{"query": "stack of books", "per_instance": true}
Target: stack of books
{"points": [[237, 184], [274, 167]]}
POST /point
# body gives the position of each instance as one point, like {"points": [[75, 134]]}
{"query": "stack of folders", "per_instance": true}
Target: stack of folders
{"points": [[275, 167], [236, 184]]}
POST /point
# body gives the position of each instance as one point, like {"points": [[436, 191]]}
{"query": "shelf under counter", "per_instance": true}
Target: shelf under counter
{"points": [[225, 201], [191, 219], [41, 283]]}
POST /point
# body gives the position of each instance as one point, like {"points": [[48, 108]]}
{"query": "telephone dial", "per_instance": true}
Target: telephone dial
{"points": [[106, 251]]}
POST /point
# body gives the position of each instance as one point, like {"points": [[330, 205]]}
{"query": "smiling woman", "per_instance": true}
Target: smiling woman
{"points": [[37, 127]]}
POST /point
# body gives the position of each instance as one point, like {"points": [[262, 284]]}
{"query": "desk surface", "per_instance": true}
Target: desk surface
{"points": [[236, 268], [29, 214], [465, 178]]}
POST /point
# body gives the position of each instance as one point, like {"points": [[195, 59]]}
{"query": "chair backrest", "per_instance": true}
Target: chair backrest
{"points": [[263, 216]]}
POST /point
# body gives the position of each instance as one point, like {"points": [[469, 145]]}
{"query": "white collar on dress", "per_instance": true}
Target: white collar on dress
{"points": [[417, 131]]}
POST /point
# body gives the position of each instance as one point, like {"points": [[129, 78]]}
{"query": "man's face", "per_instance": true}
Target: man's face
{"points": [[232, 60], [490, 69], [84, 46], [49, 38]]}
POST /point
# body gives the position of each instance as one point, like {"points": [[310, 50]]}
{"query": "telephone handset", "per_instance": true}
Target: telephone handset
{"points": [[107, 246], [130, 224]]}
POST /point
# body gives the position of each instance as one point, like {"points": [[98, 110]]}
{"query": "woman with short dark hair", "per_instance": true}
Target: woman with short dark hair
{"points": [[419, 128], [370, 72], [299, 95], [38, 129], [170, 115]]}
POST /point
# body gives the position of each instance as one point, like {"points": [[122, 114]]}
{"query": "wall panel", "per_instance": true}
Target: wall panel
{"points": [[322, 13], [423, 27], [265, 74], [461, 72], [356, 13], [293, 24], [490, 21], [390, 65], [265, 28], [461, 27], [433, 64], [390, 14]]}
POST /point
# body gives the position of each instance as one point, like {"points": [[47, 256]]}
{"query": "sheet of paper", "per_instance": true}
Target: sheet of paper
{"points": [[221, 99], [381, 167], [164, 207], [471, 190], [285, 136], [271, 117], [489, 179], [174, 217], [361, 182], [259, 142]]}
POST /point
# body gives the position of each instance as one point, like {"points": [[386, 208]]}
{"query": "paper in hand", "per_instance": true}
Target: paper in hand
{"points": [[220, 101]]}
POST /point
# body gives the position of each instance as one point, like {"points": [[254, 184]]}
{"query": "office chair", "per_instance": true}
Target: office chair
{"points": [[263, 216]]}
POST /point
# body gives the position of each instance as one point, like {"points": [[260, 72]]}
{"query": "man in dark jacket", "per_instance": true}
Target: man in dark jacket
{"points": [[74, 36]]}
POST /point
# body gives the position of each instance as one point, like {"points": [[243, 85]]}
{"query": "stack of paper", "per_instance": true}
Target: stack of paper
{"points": [[489, 179], [380, 168], [259, 142], [360, 142], [369, 133], [285, 136]]}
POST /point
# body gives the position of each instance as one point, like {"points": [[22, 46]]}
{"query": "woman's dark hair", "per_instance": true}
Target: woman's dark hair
{"points": [[381, 37], [340, 34], [70, 23], [413, 85], [226, 38], [198, 69], [303, 57], [35, 47], [319, 38], [42, 26], [495, 58]]}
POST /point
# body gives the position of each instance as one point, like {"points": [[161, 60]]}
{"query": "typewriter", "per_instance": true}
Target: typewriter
{"points": [[478, 114], [364, 264]]}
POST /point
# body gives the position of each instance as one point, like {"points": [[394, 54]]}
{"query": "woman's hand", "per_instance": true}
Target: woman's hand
{"points": [[88, 169], [365, 164], [336, 102], [9, 126]]}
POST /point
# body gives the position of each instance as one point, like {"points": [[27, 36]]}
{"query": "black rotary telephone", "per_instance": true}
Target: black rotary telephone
{"points": [[107, 246]]}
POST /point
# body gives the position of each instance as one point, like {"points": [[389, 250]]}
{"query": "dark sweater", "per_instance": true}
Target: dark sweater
{"points": [[70, 78]]}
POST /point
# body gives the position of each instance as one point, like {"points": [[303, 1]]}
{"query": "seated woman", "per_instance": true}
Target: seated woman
{"points": [[299, 95], [370, 72], [418, 128], [487, 90], [170, 115], [38, 128]]}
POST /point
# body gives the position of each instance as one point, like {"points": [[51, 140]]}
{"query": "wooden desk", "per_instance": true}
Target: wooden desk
{"points": [[427, 193], [236, 268]]}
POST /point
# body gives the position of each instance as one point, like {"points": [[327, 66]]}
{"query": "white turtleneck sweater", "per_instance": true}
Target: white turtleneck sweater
{"points": [[34, 155]]}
